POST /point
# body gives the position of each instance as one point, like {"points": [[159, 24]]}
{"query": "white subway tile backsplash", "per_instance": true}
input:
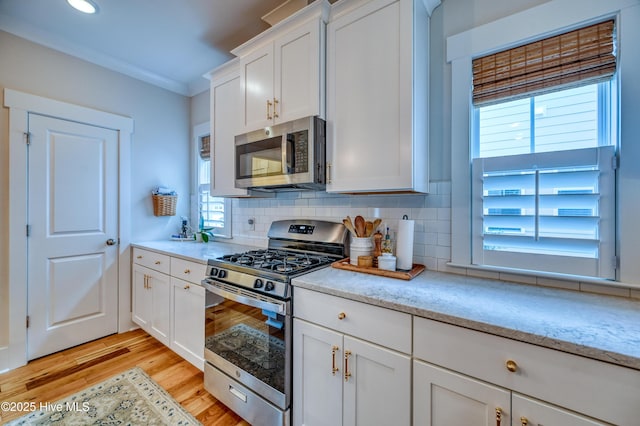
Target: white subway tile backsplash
{"points": [[432, 213]]}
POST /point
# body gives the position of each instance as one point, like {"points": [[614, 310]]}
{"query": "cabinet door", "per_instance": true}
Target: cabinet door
{"points": [[141, 314], [256, 81], [317, 375], [443, 398], [225, 125], [377, 389], [369, 102], [188, 321], [159, 286], [530, 412], [298, 72]]}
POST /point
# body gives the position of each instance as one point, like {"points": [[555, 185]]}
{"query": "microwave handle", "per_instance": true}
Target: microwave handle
{"points": [[290, 154]]}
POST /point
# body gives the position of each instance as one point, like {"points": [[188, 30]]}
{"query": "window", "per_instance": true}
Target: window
{"points": [[543, 168], [210, 212]]}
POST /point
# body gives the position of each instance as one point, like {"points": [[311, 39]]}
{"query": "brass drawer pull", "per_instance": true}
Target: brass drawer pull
{"points": [[524, 421], [347, 374], [498, 416], [139, 256], [334, 369], [187, 287], [342, 316], [512, 366], [187, 271], [158, 262]]}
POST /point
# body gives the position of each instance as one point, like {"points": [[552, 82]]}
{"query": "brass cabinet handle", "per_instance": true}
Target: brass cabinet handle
{"points": [[145, 281], [187, 287], [275, 108], [524, 421], [342, 316], [328, 177], [498, 416], [187, 271], [347, 374], [158, 262], [512, 366], [269, 117], [334, 369], [139, 256]]}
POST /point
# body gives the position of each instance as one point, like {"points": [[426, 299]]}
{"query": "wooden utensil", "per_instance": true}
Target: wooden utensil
{"points": [[360, 226], [376, 223], [368, 228], [347, 223]]}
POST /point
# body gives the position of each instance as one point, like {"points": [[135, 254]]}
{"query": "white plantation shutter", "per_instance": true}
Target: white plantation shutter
{"points": [[547, 211]]}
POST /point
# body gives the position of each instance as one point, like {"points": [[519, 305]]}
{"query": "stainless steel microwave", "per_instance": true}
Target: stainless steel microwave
{"points": [[287, 156]]}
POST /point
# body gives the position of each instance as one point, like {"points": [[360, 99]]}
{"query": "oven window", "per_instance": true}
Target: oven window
{"points": [[252, 339]]}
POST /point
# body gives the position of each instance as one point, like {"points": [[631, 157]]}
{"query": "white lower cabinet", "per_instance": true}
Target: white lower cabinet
{"points": [[187, 315], [461, 376], [443, 398], [341, 379], [151, 302], [169, 302]]}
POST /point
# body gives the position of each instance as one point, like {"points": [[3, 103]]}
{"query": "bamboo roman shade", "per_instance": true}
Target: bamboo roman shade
{"points": [[205, 147], [582, 56]]}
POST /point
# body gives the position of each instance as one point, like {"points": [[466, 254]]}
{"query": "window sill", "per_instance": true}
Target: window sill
{"points": [[537, 278]]}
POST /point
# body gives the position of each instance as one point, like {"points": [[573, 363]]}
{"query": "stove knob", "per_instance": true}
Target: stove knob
{"points": [[214, 272], [269, 286], [258, 283], [222, 273]]}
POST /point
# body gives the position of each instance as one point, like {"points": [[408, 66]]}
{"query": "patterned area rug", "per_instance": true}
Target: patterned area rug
{"points": [[130, 398]]}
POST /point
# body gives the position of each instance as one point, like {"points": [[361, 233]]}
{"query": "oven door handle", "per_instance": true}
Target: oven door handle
{"points": [[256, 303]]}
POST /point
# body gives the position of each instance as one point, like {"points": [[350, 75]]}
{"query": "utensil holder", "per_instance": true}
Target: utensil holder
{"points": [[360, 246]]}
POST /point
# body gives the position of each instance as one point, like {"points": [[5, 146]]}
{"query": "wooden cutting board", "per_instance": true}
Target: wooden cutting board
{"points": [[402, 275]]}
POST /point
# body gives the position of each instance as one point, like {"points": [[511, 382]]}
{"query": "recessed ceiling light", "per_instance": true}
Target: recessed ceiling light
{"points": [[85, 6]]}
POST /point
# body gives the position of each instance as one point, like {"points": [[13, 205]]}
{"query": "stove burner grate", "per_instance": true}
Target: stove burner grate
{"points": [[280, 261]]}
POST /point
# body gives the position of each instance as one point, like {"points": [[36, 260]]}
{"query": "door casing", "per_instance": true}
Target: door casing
{"points": [[20, 105]]}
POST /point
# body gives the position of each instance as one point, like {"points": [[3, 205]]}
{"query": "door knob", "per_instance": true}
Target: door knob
{"points": [[111, 242]]}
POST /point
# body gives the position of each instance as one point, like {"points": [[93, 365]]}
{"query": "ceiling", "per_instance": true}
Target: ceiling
{"points": [[168, 43]]}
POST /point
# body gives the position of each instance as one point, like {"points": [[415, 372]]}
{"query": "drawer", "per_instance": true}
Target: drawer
{"points": [[378, 325], [595, 388], [193, 272], [152, 260]]}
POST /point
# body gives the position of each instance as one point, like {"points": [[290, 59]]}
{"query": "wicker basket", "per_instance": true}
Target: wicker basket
{"points": [[164, 205]]}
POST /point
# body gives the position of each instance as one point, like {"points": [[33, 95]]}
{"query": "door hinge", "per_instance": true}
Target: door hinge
{"points": [[27, 321], [614, 162], [28, 230], [616, 262], [27, 138]]}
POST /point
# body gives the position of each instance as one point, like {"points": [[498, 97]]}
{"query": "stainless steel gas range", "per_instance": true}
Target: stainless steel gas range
{"points": [[248, 319]]}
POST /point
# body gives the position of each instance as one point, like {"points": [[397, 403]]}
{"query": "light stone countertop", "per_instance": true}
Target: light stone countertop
{"points": [[604, 328], [194, 251]]}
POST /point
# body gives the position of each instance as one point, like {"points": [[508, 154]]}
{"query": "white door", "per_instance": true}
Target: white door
{"points": [[442, 398], [72, 248], [256, 80], [317, 375], [377, 390]]}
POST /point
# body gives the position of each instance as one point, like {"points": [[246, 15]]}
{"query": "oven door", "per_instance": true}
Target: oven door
{"points": [[248, 337]]}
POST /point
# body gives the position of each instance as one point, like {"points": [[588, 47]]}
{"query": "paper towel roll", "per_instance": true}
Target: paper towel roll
{"points": [[404, 244]]}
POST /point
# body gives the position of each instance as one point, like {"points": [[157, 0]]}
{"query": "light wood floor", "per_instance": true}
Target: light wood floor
{"points": [[56, 376]]}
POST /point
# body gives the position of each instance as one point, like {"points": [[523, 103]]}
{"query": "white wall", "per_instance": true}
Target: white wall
{"points": [[160, 142]]}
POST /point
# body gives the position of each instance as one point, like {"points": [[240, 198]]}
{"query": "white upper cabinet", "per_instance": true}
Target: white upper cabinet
{"points": [[377, 96], [225, 125], [282, 70]]}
